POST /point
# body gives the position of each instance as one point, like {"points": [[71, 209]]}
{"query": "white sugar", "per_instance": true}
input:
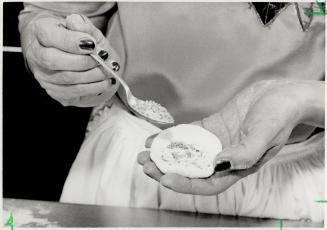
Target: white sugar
{"points": [[153, 110]]}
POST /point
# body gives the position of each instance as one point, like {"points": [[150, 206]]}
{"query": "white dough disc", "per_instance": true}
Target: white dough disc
{"points": [[188, 150]]}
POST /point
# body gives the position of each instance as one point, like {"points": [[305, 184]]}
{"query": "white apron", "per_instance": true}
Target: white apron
{"points": [[106, 172]]}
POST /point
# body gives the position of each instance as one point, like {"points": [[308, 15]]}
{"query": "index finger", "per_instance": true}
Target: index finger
{"points": [[200, 186], [51, 32], [187, 185]]}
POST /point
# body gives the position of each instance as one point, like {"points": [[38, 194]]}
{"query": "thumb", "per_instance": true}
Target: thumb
{"points": [[249, 151], [81, 23]]}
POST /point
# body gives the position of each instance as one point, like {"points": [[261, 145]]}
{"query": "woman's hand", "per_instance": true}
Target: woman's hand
{"points": [[253, 128], [56, 52]]}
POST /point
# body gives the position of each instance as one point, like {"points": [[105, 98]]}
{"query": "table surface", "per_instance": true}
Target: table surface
{"points": [[31, 213]]}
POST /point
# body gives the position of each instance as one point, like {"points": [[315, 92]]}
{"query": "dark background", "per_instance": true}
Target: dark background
{"points": [[40, 137]]}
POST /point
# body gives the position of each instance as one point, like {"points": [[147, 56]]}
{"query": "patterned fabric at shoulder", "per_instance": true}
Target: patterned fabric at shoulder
{"points": [[304, 13], [267, 12]]}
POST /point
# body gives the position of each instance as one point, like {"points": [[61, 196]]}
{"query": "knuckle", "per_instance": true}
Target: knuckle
{"points": [[35, 26], [76, 20], [73, 17], [41, 32], [45, 59]]}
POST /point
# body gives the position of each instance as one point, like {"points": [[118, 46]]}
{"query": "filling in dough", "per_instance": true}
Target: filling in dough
{"points": [[185, 154], [187, 150]]}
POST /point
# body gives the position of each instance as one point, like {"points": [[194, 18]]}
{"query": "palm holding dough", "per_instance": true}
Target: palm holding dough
{"points": [[253, 127]]}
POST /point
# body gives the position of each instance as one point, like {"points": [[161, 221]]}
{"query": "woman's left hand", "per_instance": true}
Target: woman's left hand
{"points": [[253, 128]]}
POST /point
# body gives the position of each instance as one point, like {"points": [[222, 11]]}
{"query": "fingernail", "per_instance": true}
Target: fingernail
{"points": [[103, 54], [222, 165], [86, 45], [115, 66], [113, 81]]}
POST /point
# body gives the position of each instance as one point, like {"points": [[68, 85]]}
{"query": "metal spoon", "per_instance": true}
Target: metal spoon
{"points": [[129, 99]]}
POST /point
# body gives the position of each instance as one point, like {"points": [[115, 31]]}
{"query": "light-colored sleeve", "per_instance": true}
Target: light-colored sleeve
{"points": [[98, 12]]}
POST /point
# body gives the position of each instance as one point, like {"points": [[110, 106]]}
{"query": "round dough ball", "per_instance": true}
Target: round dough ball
{"points": [[188, 150]]}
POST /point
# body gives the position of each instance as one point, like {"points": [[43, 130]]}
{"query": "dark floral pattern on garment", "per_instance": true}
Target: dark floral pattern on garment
{"points": [[268, 11]]}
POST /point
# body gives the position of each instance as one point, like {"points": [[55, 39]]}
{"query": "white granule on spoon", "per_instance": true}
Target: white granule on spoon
{"points": [[153, 110]]}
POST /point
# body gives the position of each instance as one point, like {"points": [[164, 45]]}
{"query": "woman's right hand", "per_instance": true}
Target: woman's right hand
{"points": [[56, 52]]}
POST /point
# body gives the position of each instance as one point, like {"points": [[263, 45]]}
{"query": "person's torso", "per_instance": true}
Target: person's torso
{"points": [[194, 57]]}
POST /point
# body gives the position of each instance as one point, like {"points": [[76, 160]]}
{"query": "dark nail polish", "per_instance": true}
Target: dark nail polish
{"points": [[115, 66], [113, 81], [223, 165], [103, 54], [86, 45]]}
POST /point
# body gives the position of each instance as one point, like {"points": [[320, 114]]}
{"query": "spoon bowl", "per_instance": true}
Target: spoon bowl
{"points": [[131, 101]]}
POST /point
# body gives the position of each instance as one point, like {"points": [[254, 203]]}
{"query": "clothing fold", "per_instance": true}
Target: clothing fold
{"points": [[106, 172]]}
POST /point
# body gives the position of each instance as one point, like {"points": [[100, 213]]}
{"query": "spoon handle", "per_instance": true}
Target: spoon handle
{"points": [[108, 69]]}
